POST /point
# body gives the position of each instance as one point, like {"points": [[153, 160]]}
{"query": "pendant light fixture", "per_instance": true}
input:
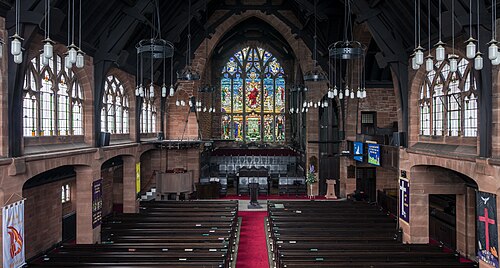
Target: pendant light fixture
{"points": [[15, 46], [440, 51], [74, 55], [48, 47], [188, 73], [478, 60], [493, 48], [471, 42], [429, 62], [413, 56], [453, 58], [348, 54], [316, 74], [419, 50], [150, 50], [80, 55]]}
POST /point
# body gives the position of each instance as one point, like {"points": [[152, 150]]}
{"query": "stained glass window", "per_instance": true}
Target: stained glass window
{"points": [[114, 113], [253, 97], [53, 100], [448, 102]]}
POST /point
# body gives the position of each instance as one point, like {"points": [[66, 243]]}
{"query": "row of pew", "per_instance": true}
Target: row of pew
{"points": [[344, 234], [163, 234]]}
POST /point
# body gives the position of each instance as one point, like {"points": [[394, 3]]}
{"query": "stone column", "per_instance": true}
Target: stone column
{"points": [[130, 203], [85, 234]]}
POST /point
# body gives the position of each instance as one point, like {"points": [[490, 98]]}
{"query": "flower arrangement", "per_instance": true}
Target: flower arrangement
{"points": [[311, 176]]}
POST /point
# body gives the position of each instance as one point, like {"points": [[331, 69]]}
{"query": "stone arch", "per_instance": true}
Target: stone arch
{"points": [[426, 180]]}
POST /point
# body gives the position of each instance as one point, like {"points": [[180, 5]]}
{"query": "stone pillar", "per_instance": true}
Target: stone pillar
{"points": [[466, 223], [130, 203], [85, 234]]}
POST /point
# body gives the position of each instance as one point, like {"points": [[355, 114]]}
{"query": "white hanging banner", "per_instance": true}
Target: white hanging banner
{"points": [[13, 235]]}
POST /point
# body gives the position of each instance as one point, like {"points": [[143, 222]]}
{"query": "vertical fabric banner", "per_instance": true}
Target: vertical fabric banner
{"points": [[404, 200], [13, 235], [486, 225], [96, 203], [138, 177]]}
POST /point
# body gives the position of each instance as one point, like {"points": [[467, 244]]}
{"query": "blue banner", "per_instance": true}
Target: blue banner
{"points": [[374, 154], [358, 151]]}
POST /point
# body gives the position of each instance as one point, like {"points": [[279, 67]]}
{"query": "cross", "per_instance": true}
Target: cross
{"points": [[487, 221], [402, 197]]}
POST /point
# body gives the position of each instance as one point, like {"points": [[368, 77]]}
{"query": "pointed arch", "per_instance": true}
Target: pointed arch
{"points": [[253, 97]]}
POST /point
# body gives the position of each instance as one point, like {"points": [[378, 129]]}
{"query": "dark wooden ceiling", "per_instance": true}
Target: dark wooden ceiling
{"points": [[112, 28]]}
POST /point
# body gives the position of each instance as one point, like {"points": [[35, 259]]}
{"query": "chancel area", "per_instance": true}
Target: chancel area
{"points": [[249, 133]]}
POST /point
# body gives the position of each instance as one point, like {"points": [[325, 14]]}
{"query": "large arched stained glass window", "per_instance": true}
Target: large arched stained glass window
{"points": [[448, 101], [253, 97], [53, 100]]}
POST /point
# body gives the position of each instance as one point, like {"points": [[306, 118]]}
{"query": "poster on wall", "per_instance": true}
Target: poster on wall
{"points": [[137, 177], [374, 154], [13, 235], [358, 151], [486, 225], [404, 200], [96, 203]]}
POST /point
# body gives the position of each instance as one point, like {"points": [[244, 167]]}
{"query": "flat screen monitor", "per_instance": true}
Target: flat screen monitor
{"points": [[358, 151], [374, 154]]}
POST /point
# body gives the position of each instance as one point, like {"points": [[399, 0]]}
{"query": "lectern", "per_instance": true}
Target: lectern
{"points": [[254, 191]]}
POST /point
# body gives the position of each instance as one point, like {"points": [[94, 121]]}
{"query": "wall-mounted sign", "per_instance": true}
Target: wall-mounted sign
{"points": [[138, 177], [358, 151], [374, 154], [404, 200]]}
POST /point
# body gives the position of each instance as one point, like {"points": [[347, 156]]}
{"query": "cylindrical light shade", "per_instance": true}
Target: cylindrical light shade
{"points": [[177, 103], [414, 64], [471, 50], [164, 91], [67, 63], [335, 91], [15, 46], [325, 104], [304, 104], [429, 64], [496, 61], [183, 103], [45, 61], [307, 110], [478, 62], [315, 105], [18, 58], [453, 65], [493, 51], [364, 93], [440, 53], [204, 109], [172, 91], [48, 50], [72, 55], [358, 94], [352, 94], [137, 91], [346, 91], [305, 89], [341, 96], [151, 91], [419, 56], [80, 60]]}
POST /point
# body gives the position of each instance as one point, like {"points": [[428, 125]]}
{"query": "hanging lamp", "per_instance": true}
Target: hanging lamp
{"points": [[188, 73], [316, 74]]}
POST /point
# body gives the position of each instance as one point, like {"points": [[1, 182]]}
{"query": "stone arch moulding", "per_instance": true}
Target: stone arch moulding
{"points": [[304, 57]]}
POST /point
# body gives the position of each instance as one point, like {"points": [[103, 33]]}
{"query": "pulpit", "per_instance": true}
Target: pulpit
{"points": [[330, 190], [174, 183], [254, 192]]}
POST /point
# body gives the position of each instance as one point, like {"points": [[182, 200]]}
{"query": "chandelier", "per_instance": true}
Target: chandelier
{"points": [[188, 73], [348, 58], [150, 50]]}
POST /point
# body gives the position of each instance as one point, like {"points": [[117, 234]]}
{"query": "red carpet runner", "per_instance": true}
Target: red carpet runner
{"points": [[252, 250]]}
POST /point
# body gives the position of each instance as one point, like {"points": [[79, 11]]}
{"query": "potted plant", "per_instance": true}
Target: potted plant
{"points": [[311, 179]]}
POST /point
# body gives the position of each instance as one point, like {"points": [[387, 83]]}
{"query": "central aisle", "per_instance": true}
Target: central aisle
{"points": [[252, 249]]}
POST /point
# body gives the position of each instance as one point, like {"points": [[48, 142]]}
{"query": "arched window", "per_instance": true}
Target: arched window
{"points": [[448, 101], [53, 100], [148, 113], [253, 97], [115, 109]]}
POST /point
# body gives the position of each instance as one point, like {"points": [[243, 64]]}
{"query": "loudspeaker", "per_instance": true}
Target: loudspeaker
{"points": [[399, 139], [104, 139], [160, 136]]}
